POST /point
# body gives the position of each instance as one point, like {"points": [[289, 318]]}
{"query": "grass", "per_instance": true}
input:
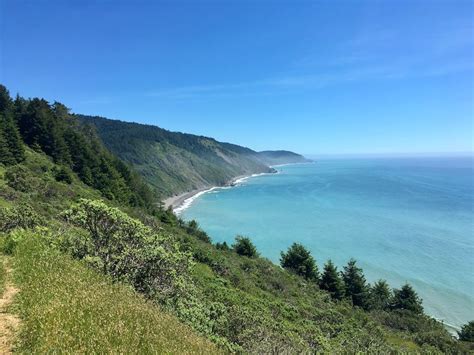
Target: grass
{"points": [[68, 307], [3, 275]]}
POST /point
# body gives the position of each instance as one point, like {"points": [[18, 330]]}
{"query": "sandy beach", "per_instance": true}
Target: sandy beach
{"points": [[183, 200], [178, 200]]}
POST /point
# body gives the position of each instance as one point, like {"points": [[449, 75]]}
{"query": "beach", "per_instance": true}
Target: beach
{"points": [[182, 201]]}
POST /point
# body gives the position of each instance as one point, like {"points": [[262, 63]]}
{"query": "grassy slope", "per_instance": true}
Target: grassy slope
{"points": [[67, 307]]}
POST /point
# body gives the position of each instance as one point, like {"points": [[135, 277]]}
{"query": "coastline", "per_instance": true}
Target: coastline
{"points": [[182, 201]]}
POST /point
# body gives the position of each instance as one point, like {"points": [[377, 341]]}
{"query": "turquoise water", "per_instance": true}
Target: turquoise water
{"points": [[404, 220]]}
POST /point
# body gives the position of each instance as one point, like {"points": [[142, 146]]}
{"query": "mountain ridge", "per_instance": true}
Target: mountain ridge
{"points": [[174, 162]]}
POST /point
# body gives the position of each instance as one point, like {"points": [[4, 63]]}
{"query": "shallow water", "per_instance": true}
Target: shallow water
{"points": [[404, 220]]}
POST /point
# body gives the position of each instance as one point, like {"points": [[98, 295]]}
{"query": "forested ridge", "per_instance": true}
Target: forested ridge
{"points": [[100, 268], [175, 162]]}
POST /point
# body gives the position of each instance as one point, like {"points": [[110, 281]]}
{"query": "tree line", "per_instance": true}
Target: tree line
{"points": [[75, 147], [349, 284]]}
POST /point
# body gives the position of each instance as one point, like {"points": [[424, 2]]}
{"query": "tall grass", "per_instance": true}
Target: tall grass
{"points": [[67, 307]]}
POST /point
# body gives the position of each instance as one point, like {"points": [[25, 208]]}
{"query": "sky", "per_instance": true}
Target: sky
{"points": [[315, 77]]}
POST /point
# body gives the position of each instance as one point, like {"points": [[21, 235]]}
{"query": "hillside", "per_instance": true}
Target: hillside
{"points": [[75, 246], [276, 157], [173, 162]]}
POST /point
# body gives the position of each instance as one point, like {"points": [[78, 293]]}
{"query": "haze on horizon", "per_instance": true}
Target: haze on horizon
{"points": [[313, 77]]}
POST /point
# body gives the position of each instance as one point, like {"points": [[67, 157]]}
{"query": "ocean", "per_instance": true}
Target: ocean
{"points": [[403, 219]]}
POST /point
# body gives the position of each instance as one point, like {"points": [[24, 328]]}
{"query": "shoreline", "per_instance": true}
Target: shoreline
{"points": [[182, 201]]}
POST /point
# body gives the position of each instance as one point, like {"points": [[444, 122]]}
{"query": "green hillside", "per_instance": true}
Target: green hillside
{"points": [[102, 271], [173, 162]]}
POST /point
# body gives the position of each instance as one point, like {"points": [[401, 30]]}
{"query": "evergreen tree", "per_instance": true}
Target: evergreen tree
{"points": [[355, 285], [467, 332], [6, 157], [380, 295], [331, 281], [6, 103], [13, 139], [11, 149], [407, 299], [299, 260], [53, 130]]}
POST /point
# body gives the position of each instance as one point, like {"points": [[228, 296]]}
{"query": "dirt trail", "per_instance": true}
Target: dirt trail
{"points": [[8, 322]]}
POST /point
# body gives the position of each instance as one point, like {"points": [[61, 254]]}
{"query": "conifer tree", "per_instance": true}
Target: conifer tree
{"points": [[355, 285], [331, 281], [12, 146], [5, 100], [380, 295], [6, 157], [299, 260], [407, 299]]}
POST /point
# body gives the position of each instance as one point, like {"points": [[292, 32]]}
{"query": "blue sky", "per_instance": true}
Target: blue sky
{"points": [[316, 77]]}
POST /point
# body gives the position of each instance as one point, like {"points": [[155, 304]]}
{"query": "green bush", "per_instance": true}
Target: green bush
{"points": [[18, 216], [192, 227], [19, 178], [128, 250], [244, 246], [223, 246], [63, 174]]}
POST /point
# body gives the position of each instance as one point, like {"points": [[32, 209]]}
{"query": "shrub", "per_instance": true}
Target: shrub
{"points": [[299, 260], [467, 332], [20, 216], [63, 174], [192, 228], [128, 250], [66, 307], [244, 246], [223, 246], [19, 178]]}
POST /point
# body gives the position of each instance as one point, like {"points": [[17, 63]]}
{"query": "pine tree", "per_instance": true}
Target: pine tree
{"points": [[6, 103], [331, 281], [12, 150], [299, 260], [407, 299], [380, 295], [355, 285], [6, 157]]}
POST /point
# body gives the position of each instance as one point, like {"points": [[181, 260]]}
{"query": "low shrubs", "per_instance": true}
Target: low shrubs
{"points": [[128, 250], [18, 216]]}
